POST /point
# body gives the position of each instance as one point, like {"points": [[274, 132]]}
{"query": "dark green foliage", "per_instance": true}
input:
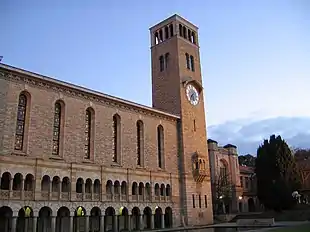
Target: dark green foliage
{"points": [[247, 160], [277, 174]]}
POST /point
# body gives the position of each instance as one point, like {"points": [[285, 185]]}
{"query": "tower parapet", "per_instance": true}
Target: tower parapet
{"points": [[232, 149]]}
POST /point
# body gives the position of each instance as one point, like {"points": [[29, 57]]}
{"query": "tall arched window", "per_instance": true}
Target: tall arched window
{"points": [[139, 142], [171, 30], [223, 171], [56, 129], [192, 63], [160, 146], [88, 133], [180, 30], [187, 61], [21, 121], [161, 63], [116, 138]]}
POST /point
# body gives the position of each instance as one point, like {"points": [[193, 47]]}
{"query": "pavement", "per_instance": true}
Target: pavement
{"points": [[278, 225]]}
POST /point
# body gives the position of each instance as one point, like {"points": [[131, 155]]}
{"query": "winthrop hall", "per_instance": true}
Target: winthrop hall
{"points": [[73, 159]]}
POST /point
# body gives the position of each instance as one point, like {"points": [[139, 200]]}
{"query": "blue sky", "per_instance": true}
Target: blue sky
{"points": [[255, 54]]}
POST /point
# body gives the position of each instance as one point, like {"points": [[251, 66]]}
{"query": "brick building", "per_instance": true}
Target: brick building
{"points": [[224, 163], [73, 159]]}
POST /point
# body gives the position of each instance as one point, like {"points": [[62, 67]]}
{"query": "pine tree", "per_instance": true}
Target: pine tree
{"points": [[277, 174]]}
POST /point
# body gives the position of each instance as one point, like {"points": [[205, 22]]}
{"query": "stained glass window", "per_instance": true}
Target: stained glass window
{"points": [[20, 124], [139, 137], [87, 134], [160, 145], [116, 122], [56, 129]]}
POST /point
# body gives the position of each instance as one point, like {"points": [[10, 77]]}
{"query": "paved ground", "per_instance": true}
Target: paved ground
{"points": [[284, 224]]}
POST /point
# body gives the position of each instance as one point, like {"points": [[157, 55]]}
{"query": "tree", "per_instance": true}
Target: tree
{"points": [[276, 173], [247, 160], [223, 191]]}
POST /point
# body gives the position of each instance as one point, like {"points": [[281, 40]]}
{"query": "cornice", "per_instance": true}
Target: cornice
{"points": [[21, 76]]}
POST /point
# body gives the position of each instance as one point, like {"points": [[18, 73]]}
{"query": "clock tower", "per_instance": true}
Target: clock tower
{"points": [[177, 89]]}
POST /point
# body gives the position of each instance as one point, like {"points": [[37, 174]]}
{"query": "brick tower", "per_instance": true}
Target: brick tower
{"points": [[177, 89]]}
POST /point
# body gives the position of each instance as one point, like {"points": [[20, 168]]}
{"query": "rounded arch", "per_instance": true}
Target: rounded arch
{"points": [[108, 187], [90, 110], [63, 219], [79, 185], [109, 219], [29, 182], [116, 118], [168, 190], [26, 211], [168, 217], [147, 212], [6, 214], [5, 181], [97, 186], [79, 219], [141, 188], [45, 219], [135, 218], [94, 219], [223, 165], [157, 189], [56, 184], [134, 188], [110, 211], [65, 185], [45, 183], [61, 103], [157, 217], [24, 219], [17, 181], [45, 211], [88, 185], [80, 211], [63, 212], [124, 188], [117, 186]]}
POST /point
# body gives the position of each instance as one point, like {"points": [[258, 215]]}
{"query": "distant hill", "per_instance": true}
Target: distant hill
{"points": [[247, 135]]}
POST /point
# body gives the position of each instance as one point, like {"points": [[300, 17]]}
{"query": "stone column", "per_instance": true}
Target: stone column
{"points": [[152, 221], [53, 223], [71, 224], [129, 218], [22, 184], [162, 221], [83, 191], [141, 222], [86, 218], [34, 224], [14, 219], [60, 190], [10, 187], [102, 223], [50, 190], [92, 191], [112, 192], [115, 223]]}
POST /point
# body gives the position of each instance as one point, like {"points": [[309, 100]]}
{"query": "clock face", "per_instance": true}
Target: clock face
{"points": [[192, 94]]}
